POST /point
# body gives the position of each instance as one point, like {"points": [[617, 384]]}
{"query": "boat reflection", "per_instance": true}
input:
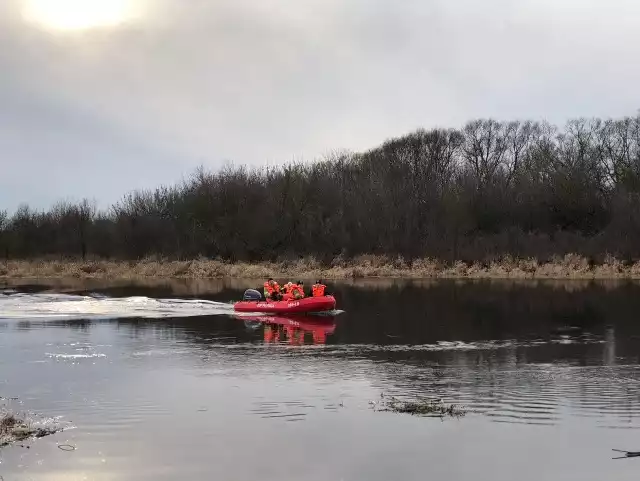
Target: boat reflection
{"points": [[293, 330]]}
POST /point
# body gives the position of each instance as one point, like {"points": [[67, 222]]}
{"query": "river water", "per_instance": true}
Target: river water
{"points": [[160, 381]]}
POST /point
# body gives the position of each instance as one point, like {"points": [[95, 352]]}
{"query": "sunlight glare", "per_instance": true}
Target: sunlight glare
{"points": [[78, 14]]}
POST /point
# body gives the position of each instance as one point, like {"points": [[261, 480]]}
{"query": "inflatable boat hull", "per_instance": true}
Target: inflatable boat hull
{"points": [[300, 306]]}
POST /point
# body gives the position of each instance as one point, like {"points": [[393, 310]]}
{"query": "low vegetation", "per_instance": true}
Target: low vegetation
{"points": [[567, 267], [427, 407], [470, 198], [14, 428]]}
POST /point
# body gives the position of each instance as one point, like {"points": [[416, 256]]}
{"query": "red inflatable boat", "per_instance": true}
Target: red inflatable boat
{"points": [[300, 306]]}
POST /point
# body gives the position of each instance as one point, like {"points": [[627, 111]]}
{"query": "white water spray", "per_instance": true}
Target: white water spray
{"points": [[20, 306]]}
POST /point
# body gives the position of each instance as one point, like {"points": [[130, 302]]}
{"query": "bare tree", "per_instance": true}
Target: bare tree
{"points": [[519, 137], [4, 227], [491, 188], [85, 215], [484, 149]]}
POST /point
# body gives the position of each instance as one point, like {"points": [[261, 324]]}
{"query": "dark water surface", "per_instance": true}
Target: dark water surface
{"points": [[162, 382]]}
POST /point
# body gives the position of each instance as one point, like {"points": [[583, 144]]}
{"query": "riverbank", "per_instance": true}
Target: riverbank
{"points": [[568, 267]]}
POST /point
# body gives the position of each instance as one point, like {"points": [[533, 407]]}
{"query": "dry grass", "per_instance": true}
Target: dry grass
{"points": [[361, 267]]}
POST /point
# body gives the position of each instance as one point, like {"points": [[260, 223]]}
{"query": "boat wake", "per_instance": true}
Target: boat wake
{"points": [[20, 306]]}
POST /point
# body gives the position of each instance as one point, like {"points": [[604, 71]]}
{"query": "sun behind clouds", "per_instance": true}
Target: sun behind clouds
{"points": [[79, 14]]}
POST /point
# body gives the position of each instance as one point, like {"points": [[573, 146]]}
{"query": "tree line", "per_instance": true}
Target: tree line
{"points": [[523, 188]]}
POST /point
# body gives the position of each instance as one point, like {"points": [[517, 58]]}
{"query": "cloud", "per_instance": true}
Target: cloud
{"points": [[274, 80]]}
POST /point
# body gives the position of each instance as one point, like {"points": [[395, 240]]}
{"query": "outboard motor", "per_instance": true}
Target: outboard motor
{"points": [[252, 295]]}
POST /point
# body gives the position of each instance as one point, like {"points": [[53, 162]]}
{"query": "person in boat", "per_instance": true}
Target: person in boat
{"points": [[297, 290], [317, 290], [272, 290], [287, 296]]}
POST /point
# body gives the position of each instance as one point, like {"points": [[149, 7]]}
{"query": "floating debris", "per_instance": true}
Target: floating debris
{"points": [[626, 454], [426, 407], [14, 427]]}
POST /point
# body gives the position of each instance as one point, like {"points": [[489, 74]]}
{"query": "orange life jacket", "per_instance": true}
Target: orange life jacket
{"points": [[297, 292], [318, 290], [287, 292], [271, 289]]}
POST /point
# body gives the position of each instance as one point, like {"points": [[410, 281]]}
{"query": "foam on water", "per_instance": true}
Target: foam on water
{"points": [[18, 306]]}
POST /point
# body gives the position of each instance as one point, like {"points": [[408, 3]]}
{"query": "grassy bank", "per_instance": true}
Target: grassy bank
{"points": [[568, 267]]}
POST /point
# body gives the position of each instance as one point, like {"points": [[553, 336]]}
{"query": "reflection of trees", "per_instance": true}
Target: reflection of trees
{"points": [[469, 311], [152, 287], [609, 351]]}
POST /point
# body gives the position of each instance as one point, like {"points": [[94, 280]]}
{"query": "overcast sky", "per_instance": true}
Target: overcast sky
{"points": [[100, 111]]}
